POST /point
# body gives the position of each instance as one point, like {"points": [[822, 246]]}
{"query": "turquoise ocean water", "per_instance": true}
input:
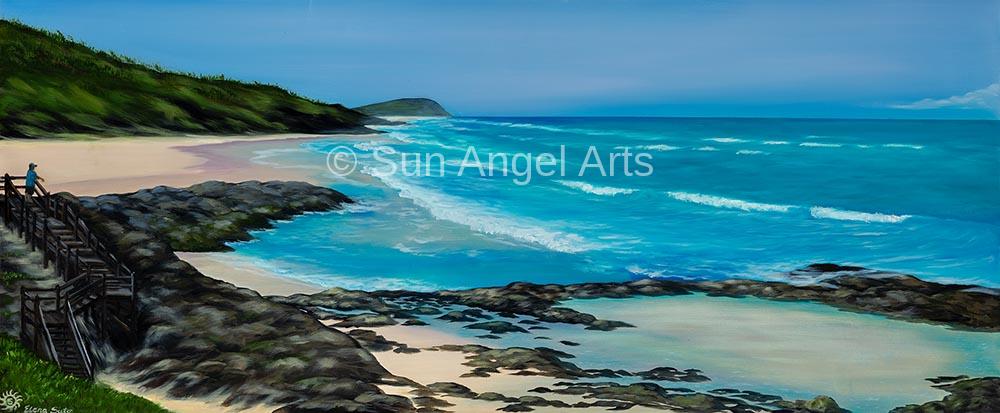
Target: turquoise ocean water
{"points": [[726, 198]]}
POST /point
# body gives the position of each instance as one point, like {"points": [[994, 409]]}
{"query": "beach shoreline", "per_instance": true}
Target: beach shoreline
{"points": [[127, 164], [243, 273], [182, 161]]}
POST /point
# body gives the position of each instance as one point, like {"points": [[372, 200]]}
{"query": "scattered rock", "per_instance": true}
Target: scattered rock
{"points": [[497, 327], [456, 317], [672, 374], [367, 320]]}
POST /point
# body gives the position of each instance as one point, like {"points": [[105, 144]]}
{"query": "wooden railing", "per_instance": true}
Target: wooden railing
{"points": [[92, 276]]}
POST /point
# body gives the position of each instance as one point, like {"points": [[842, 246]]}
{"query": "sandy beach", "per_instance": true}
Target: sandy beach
{"points": [[118, 165], [425, 367], [242, 273]]}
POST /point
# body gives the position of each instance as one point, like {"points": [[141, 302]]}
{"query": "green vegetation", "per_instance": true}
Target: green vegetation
{"points": [[42, 385], [8, 278], [404, 107], [52, 86]]}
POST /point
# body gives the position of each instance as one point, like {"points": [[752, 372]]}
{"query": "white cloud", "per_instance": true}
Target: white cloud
{"points": [[985, 98]]}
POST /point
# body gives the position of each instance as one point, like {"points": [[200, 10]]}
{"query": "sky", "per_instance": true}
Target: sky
{"points": [[866, 59]]}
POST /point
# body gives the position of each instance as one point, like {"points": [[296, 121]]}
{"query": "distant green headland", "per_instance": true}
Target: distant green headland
{"points": [[53, 86], [404, 107]]}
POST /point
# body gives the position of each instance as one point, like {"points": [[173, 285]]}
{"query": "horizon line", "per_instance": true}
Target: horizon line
{"points": [[731, 117]]}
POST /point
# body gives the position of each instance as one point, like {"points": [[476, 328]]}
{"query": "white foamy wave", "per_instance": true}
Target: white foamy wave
{"points": [[776, 142], [534, 126], [448, 208], [661, 148], [750, 152], [720, 202], [725, 140], [596, 190], [707, 149], [903, 145], [357, 208], [371, 146], [832, 213], [637, 270], [399, 136], [820, 145]]}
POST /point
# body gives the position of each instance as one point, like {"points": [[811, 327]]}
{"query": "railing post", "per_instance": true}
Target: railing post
{"points": [[6, 195], [24, 214], [45, 244], [38, 332], [24, 308]]}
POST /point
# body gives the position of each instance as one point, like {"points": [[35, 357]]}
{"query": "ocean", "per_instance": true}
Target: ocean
{"points": [[699, 198]]}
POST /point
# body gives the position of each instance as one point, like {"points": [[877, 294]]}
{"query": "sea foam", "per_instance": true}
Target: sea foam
{"points": [[661, 148], [596, 190], [720, 202], [903, 145], [832, 213], [725, 140], [448, 208]]}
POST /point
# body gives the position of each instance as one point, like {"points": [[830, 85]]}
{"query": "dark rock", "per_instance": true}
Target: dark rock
{"points": [[979, 395], [456, 317], [672, 374], [414, 322], [607, 325], [453, 389], [820, 404], [201, 336], [367, 320], [497, 327]]}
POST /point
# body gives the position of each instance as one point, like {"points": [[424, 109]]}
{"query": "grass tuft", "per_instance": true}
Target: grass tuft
{"points": [[42, 385]]}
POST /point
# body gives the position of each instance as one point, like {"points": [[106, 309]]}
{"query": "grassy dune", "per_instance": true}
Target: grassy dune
{"points": [[52, 86]]}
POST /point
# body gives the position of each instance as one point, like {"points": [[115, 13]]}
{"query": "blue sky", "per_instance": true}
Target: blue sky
{"points": [[909, 59]]}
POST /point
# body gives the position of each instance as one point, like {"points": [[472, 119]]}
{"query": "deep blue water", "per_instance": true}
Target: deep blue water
{"points": [[726, 198]]}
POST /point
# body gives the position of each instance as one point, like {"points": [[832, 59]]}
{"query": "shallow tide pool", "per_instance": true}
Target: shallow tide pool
{"points": [[867, 363]]}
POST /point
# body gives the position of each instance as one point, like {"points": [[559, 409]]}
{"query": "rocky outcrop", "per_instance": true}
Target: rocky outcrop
{"points": [[891, 294], [894, 295], [201, 336], [204, 217], [979, 395], [404, 107]]}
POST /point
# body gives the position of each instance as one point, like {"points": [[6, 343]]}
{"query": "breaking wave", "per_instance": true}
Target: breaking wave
{"points": [[720, 202], [596, 190], [832, 213], [448, 208]]}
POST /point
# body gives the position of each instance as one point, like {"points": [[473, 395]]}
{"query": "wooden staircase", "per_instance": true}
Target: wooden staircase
{"points": [[96, 285]]}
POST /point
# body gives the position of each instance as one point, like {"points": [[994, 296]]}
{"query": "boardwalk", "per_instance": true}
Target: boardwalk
{"points": [[95, 285]]}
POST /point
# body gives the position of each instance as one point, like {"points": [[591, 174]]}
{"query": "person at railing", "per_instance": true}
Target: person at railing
{"points": [[30, 179]]}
